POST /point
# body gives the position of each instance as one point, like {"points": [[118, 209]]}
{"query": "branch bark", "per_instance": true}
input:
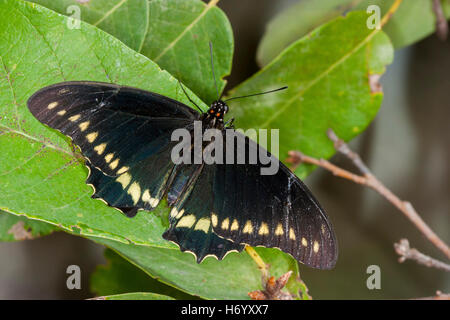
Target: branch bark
{"points": [[369, 180], [407, 253], [441, 22]]}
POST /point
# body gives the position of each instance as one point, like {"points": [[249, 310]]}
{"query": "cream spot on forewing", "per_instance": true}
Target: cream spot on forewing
{"points": [[234, 225], [279, 230], [316, 246], [214, 219], [84, 125], [61, 113], [109, 157], [124, 180], [100, 148], [248, 228], [75, 117], [52, 105], [122, 170], [114, 164], [225, 224], [291, 234], [304, 242], [187, 221], [203, 225], [135, 192]]}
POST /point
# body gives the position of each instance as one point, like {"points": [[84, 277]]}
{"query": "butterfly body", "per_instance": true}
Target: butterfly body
{"points": [[125, 135]]}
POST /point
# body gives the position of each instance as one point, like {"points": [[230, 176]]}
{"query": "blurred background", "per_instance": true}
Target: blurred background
{"points": [[407, 147]]}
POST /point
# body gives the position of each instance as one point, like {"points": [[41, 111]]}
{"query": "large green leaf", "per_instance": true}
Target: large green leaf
{"points": [[173, 33], [120, 276], [127, 20], [13, 228], [38, 174], [332, 77], [231, 278], [413, 21]]}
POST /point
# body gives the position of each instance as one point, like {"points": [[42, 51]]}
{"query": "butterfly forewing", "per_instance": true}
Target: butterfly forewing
{"points": [[114, 126]]}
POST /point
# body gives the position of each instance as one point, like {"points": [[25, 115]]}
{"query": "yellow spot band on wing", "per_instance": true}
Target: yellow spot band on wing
{"points": [[291, 234], [203, 225], [279, 230], [92, 136], [225, 224], [316, 246], [109, 157], [135, 192], [180, 214], [124, 180], [234, 225], [214, 219], [61, 113], [52, 105], [114, 164], [248, 228], [84, 125], [304, 242], [122, 170], [186, 222], [100, 148], [263, 229], [74, 118]]}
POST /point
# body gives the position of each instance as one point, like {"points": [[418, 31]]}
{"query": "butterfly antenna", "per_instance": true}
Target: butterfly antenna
{"points": [[212, 68], [257, 94], [189, 98]]}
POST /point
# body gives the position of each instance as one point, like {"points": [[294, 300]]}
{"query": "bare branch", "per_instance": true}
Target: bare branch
{"points": [[441, 22], [407, 253], [369, 180]]}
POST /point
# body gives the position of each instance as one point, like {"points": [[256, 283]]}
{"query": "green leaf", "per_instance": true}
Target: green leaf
{"points": [[414, 20], [39, 176], [14, 228], [332, 77], [127, 20], [173, 33], [135, 296], [231, 278], [120, 276]]}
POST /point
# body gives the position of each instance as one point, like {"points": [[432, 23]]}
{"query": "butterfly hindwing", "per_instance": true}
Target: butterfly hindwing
{"points": [[190, 220], [276, 210]]}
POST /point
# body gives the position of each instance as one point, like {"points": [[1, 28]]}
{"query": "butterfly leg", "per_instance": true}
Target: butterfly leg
{"points": [[229, 123]]}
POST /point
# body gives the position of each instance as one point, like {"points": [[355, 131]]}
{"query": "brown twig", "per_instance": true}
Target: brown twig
{"points": [[369, 180], [407, 253], [273, 289], [441, 22]]}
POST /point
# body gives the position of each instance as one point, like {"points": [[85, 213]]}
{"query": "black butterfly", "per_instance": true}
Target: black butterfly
{"points": [[125, 136]]}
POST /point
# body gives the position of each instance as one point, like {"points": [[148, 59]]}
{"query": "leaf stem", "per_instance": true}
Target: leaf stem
{"points": [[262, 266]]}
